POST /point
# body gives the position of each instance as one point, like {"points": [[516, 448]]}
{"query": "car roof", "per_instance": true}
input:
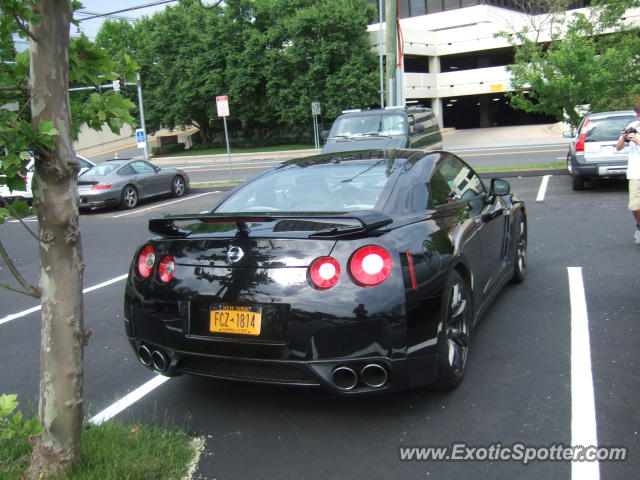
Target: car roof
{"points": [[120, 161], [619, 113]]}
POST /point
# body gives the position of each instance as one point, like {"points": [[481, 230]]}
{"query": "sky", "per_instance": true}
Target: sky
{"points": [[92, 7]]}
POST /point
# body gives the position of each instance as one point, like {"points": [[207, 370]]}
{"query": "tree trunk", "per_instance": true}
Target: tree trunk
{"points": [[61, 265]]}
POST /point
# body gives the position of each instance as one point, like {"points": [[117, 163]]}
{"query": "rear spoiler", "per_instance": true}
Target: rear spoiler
{"points": [[331, 225]]}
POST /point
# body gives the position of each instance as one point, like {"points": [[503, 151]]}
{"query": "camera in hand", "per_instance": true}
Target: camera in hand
{"points": [[627, 131]]}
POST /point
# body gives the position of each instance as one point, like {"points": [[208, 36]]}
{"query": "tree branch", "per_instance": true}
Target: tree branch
{"points": [[28, 289], [23, 28]]}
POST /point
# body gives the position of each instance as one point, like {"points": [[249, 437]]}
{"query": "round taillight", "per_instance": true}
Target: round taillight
{"points": [[370, 265], [324, 272], [166, 268], [146, 260]]}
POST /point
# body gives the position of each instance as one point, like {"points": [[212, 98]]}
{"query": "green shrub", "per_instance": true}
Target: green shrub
{"points": [[171, 148]]}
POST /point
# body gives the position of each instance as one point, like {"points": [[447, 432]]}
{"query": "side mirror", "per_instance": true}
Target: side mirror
{"points": [[157, 169], [567, 134], [417, 128], [324, 134], [499, 187]]}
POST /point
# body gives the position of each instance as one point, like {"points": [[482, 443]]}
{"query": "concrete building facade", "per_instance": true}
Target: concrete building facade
{"points": [[453, 61]]}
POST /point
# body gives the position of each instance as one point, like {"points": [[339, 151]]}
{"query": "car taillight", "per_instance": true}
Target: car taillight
{"points": [[146, 260], [100, 187], [166, 268], [370, 265], [583, 136], [324, 272]]}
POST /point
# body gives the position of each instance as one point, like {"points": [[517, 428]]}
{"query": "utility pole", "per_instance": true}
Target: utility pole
{"points": [[381, 53], [391, 30], [144, 128]]}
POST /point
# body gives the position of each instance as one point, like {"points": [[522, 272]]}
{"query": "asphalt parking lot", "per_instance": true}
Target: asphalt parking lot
{"points": [[525, 381]]}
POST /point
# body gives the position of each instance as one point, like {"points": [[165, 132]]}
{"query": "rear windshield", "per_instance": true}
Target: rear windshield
{"points": [[345, 186], [606, 129], [100, 170], [369, 125]]}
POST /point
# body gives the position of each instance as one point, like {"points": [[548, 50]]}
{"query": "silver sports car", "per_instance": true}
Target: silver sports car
{"points": [[125, 182]]}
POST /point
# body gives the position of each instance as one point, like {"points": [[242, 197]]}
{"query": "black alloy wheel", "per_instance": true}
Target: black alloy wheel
{"points": [[520, 260], [178, 186], [453, 340], [129, 198]]}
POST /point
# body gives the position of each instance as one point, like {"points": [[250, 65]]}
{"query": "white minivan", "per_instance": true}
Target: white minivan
{"points": [[27, 194]]}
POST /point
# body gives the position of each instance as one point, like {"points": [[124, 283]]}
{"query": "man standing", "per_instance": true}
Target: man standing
{"points": [[630, 135]]}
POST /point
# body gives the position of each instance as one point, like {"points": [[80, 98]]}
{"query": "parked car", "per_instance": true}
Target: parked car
{"points": [[592, 152], [393, 127], [124, 183], [359, 272], [27, 194]]}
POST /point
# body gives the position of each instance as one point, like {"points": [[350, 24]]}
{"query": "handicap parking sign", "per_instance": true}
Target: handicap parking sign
{"points": [[141, 138]]}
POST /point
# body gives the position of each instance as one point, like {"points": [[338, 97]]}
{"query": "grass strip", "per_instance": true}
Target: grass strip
{"points": [[539, 166], [113, 451], [220, 151]]}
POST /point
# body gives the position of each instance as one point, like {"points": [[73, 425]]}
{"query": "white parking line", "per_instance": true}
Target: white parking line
{"points": [[162, 205], [128, 400], [27, 219], [543, 188], [23, 313], [583, 411]]}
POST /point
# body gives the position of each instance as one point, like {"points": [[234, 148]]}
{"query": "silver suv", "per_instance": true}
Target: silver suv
{"points": [[592, 152]]}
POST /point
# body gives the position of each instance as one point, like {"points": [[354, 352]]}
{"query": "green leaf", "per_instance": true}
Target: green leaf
{"points": [[8, 403], [46, 128]]}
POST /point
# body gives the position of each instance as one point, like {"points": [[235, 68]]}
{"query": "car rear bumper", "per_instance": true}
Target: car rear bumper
{"points": [[345, 376], [600, 170], [87, 201]]}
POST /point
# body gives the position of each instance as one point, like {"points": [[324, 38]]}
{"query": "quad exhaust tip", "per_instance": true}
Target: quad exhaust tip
{"points": [[155, 359], [159, 360], [344, 378], [144, 354], [374, 375]]}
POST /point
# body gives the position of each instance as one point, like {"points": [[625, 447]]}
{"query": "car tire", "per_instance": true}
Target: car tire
{"points": [[178, 186], [129, 197], [569, 165], [520, 257], [577, 182], [453, 340]]}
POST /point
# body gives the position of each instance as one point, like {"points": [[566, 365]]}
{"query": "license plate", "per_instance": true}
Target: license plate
{"points": [[235, 319]]}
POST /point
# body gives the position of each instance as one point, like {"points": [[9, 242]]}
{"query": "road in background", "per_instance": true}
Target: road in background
{"points": [[497, 147]]}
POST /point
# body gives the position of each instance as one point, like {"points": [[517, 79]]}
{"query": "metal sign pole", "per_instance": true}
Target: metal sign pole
{"points": [[226, 138], [315, 131], [222, 106], [144, 128]]}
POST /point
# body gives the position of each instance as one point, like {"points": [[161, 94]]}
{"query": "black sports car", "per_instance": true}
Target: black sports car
{"points": [[359, 272]]}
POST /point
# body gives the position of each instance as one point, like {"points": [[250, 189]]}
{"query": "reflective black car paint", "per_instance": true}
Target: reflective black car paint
{"points": [[306, 331]]}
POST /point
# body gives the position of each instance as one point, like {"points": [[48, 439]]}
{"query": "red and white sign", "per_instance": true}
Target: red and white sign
{"points": [[222, 104]]}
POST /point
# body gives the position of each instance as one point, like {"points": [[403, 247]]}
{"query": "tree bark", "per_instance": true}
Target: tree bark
{"points": [[60, 406]]}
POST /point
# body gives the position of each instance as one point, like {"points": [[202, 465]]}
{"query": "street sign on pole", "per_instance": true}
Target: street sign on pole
{"points": [[222, 104], [315, 111], [142, 124], [141, 138]]}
